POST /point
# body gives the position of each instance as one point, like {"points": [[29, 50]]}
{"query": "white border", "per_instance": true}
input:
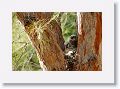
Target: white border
{"points": [[104, 76]]}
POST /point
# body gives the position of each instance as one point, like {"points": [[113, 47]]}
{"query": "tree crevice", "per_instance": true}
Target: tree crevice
{"points": [[46, 37]]}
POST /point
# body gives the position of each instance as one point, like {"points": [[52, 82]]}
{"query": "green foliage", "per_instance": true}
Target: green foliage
{"points": [[24, 57], [68, 25], [23, 54]]}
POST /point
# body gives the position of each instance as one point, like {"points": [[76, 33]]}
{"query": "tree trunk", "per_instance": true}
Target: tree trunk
{"points": [[89, 48], [46, 37]]}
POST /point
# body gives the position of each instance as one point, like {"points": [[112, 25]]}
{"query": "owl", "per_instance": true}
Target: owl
{"points": [[72, 42]]}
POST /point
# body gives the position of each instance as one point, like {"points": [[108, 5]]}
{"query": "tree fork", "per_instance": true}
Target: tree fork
{"points": [[49, 44]]}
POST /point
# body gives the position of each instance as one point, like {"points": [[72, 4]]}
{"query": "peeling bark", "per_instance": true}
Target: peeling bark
{"points": [[88, 57], [47, 41]]}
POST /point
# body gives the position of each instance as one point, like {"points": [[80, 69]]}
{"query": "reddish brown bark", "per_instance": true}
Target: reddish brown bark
{"points": [[89, 52]]}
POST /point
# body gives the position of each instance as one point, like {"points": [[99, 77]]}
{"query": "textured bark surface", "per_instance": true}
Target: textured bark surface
{"points": [[89, 48], [47, 40]]}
